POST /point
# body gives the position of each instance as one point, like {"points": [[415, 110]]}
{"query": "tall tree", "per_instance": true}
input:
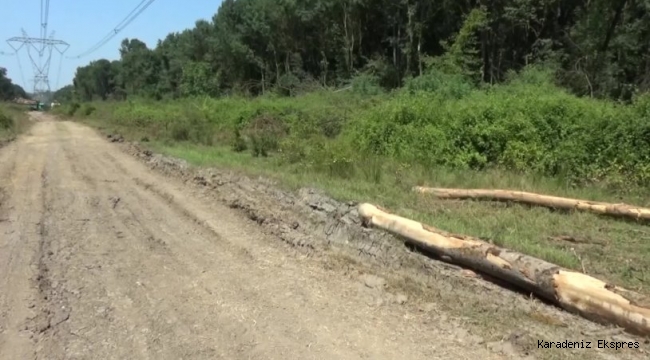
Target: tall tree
{"points": [[601, 47], [9, 90]]}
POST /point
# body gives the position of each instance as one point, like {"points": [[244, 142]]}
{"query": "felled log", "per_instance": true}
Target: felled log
{"points": [[621, 210], [573, 291]]}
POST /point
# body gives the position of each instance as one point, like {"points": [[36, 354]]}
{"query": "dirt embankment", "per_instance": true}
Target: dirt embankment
{"points": [[314, 224]]}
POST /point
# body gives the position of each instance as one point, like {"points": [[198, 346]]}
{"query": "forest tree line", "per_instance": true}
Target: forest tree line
{"points": [[9, 90], [598, 48]]}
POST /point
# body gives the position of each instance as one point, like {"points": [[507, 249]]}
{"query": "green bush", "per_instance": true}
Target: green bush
{"points": [[180, 131], [526, 125], [265, 132], [88, 109], [72, 108], [239, 144], [294, 150], [452, 86], [6, 121], [366, 84]]}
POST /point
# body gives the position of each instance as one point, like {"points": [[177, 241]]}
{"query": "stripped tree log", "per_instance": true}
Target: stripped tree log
{"points": [[573, 291], [621, 210]]}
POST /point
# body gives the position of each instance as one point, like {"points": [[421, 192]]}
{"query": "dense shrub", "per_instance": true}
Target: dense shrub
{"points": [[453, 86], [265, 132], [6, 121], [72, 108], [13, 120], [527, 125], [366, 84], [88, 109]]}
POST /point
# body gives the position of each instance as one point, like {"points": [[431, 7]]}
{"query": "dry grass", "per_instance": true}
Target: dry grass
{"points": [[13, 121]]}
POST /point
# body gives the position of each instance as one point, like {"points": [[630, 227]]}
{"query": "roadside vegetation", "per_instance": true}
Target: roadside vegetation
{"points": [[13, 121], [366, 122], [525, 134]]}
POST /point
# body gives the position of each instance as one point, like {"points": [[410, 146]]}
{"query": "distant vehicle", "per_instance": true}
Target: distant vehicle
{"points": [[39, 106]]}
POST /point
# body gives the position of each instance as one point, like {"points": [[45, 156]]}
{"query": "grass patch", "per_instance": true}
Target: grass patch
{"points": [[13, 121], [615, 250]]}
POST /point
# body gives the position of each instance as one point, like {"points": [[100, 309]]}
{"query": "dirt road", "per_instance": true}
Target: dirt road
{"points": [[100, 258]]}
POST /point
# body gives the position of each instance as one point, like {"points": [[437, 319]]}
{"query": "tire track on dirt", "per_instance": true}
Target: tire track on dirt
{"points": [[52, 304], [79, 212], [243, 312], [150, 192], [128, 218], [21, 211], [177, 263]]}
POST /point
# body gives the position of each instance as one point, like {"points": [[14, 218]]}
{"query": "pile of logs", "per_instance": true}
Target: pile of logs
{"points": [[573, 291]]}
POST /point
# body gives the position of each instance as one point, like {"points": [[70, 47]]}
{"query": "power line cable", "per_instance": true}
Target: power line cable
{"points": [[112, 32], [131, 13], [142, 6], [58, 74], [42, 17], [45, 15], [20, 68]]}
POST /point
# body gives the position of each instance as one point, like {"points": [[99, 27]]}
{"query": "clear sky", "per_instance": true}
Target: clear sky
{"points": [[83, 23]]}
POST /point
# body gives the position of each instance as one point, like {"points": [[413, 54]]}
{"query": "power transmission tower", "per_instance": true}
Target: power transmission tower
{"points": [[44, 47]]}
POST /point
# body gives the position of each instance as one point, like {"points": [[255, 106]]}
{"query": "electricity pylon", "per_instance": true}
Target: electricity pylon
{"points": [[44, 47]]}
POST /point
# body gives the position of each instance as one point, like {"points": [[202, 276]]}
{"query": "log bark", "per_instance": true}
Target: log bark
{"points": [[573, 291], [619, 210]]}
